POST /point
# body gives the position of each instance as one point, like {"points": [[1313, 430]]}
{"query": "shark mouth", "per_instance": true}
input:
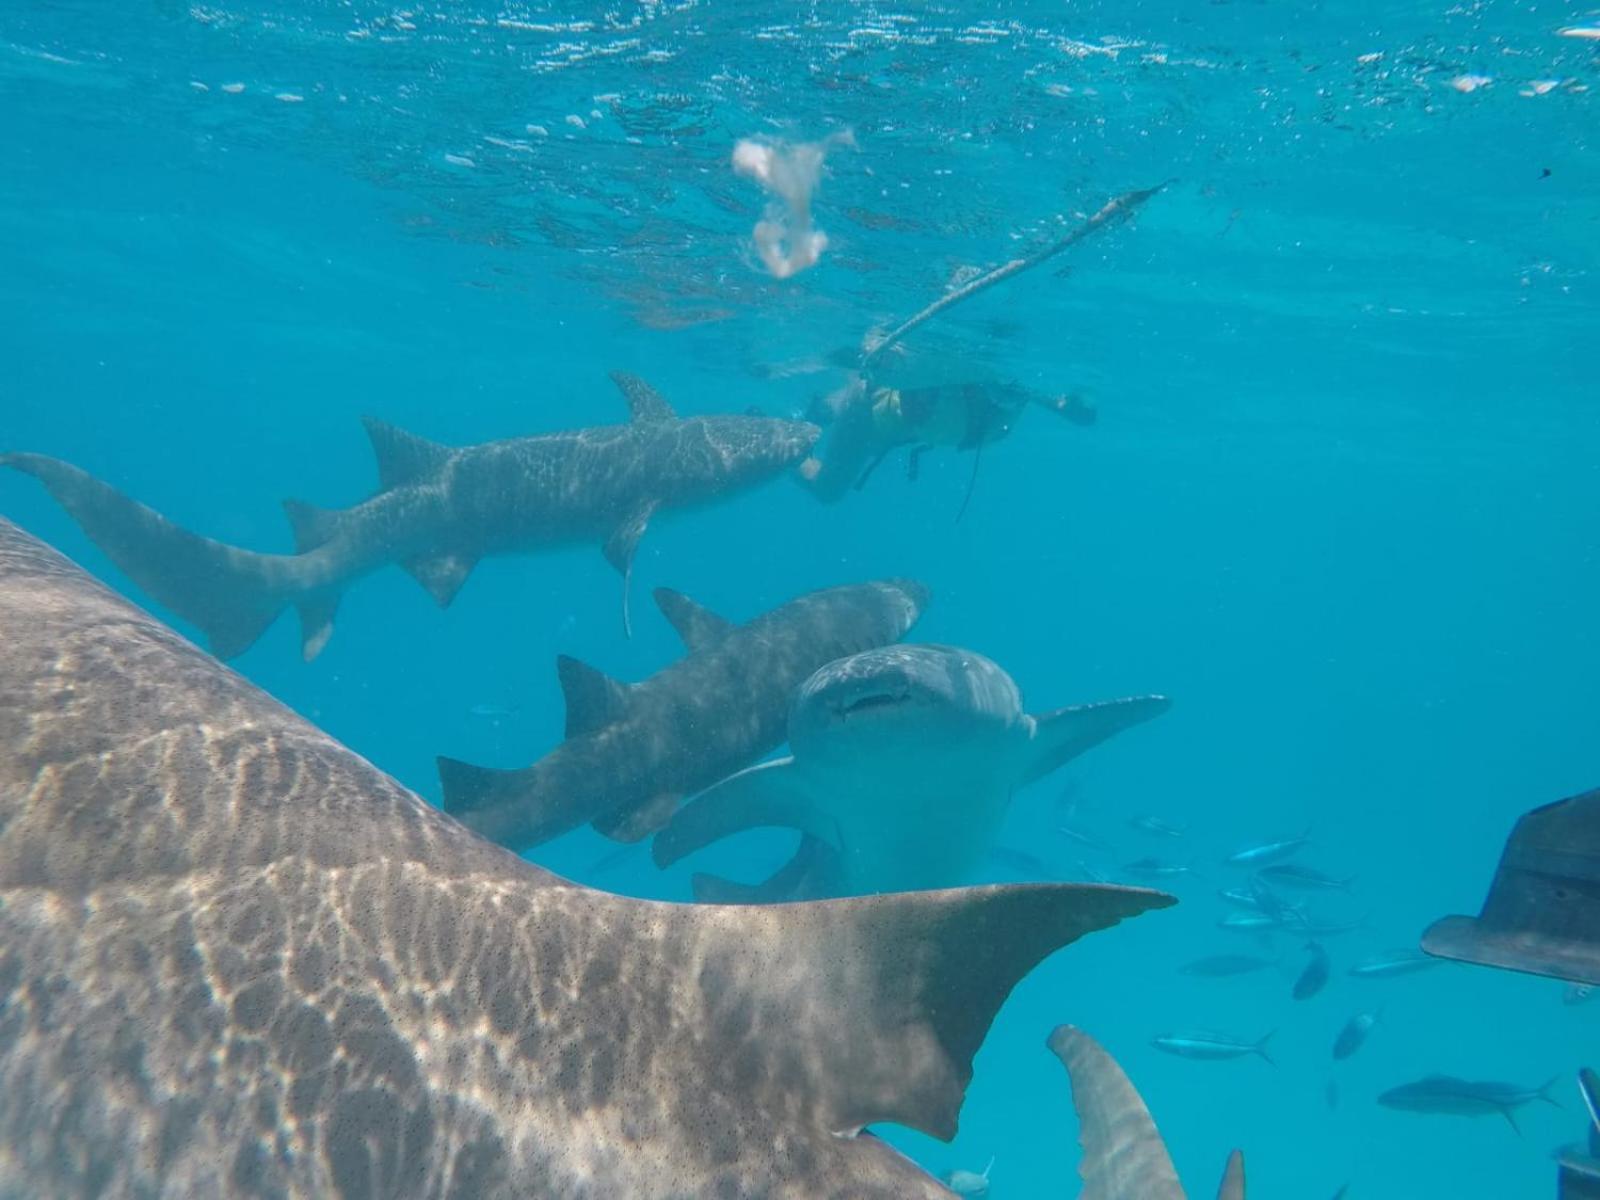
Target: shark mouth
{"points": [[871, 703]]}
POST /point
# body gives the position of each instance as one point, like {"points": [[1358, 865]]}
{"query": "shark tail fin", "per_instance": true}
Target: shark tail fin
{"points": [[851, 1012], [1547, 1092], [517, 808], [468, 787], [1123, 1151], [1065, 733], [223, 590], [1232, 1178]]}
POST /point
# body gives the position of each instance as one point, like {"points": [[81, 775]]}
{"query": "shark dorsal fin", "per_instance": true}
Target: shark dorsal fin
{"points": [[1123, 1151], [872, 1008], [644, 402], [594, 699], [1232, 1178], [402, 457], [698, 626]]}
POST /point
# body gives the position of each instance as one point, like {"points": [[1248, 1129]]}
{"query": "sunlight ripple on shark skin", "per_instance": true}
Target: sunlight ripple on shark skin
{"points": [[903, 762], [437, 512], [236, 958]]}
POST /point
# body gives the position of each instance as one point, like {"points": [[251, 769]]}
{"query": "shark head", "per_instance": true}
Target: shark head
{"points": [[864, 616], [910, 700], [736, 451]]}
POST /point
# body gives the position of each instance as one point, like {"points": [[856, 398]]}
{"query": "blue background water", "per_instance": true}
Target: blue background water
{"points": [[1341, 503]]}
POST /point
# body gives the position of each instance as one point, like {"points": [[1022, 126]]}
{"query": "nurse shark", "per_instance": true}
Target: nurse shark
{"points": [[437, 512], [236, 959], [634, 751], [904, 760]]}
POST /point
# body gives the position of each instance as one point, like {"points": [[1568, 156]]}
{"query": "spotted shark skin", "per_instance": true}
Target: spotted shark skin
{"points": [[236, 959], [438, 511], [633, 751]]}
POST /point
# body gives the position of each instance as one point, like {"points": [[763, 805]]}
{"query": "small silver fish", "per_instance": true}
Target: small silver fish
{"points": [[1579, 993], [1030, 866], [1315, 976], [1263, 853], [1240, 897], [1449, 1096], [1085, 839], [1210, 1046], [1221, 966], [1294, 875], [1354, 1034], [1317, 927], [493, 712], [1269, 902], [969, 1183], [1392, 962], [1156, 867], [1092, 873], [1158, 827], [1249, 922]]}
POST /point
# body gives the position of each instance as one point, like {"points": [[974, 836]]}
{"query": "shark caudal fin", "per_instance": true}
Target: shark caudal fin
{"points": [[519, 808], [845, 1013], [467, 787], [1065, 733], [229, 593], [1124, 1156]]}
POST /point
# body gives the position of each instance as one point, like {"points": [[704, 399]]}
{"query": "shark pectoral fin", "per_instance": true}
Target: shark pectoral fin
{"points": [[594, 699], [852, 1012], [638, 822], [773, 793], [620, 548], [644, 402], [1062, 735], [698, 626], [316, 624], [1123, 1152], [402, 457], [803, 877], [1232, 1178], [441, 575]]}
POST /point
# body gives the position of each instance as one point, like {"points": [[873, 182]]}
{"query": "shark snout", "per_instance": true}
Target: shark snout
{"points": [[913, 596], [792, 444]]}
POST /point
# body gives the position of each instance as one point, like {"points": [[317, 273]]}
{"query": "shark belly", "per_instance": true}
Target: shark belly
{"points": [[919, 820]]}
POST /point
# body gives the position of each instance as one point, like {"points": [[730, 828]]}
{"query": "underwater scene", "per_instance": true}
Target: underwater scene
{"points": [[971, 595]]}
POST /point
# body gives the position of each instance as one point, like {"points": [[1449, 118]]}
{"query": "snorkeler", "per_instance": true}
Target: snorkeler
{"points": [[866, 423]]}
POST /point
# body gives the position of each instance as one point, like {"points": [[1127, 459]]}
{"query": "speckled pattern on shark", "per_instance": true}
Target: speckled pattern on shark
{"points": [[237, 959]]}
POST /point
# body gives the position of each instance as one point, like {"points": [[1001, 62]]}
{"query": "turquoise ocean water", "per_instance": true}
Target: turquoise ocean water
{"points": [[1342, 502]]}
